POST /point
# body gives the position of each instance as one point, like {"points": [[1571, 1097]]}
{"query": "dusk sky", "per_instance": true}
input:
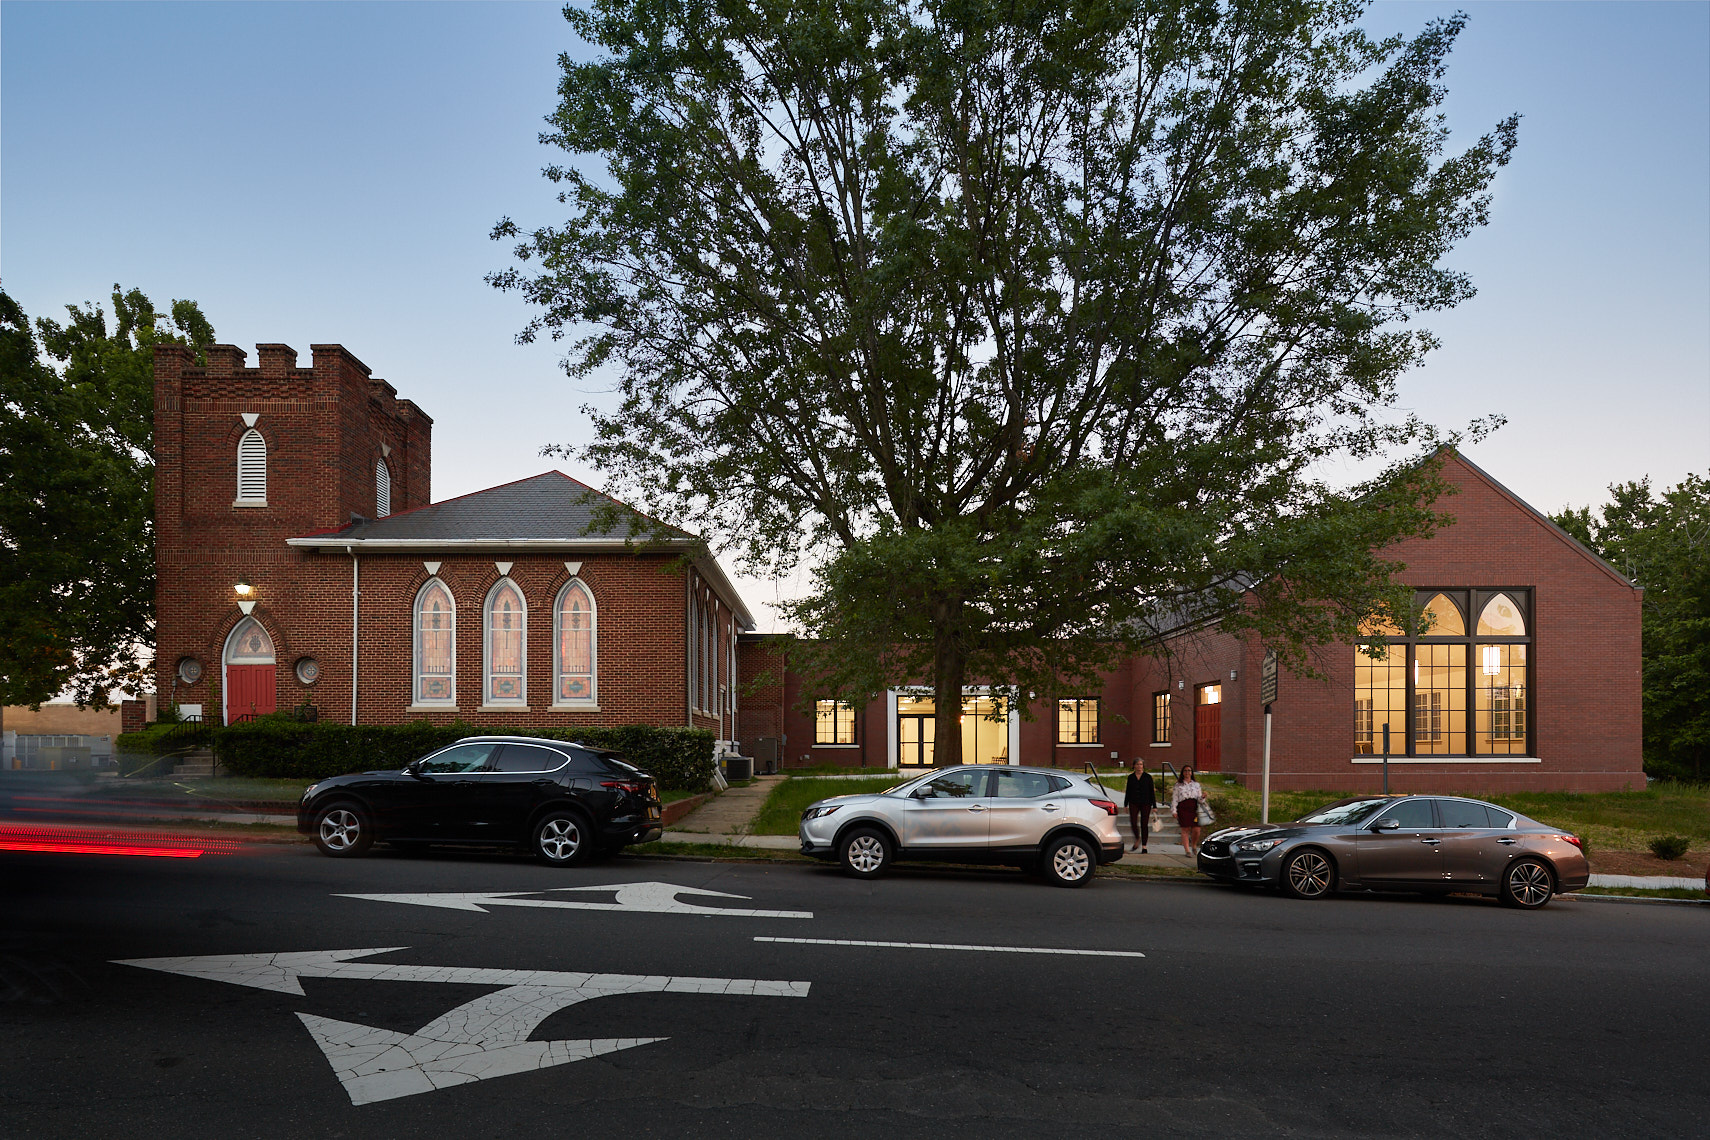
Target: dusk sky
{"points": [[329, 172]]}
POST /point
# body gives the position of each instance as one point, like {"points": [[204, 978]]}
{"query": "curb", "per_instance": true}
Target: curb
{"points": [[1633, 899]]}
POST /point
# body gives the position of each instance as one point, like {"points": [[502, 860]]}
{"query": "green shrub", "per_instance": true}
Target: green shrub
{"points": [[281, 747], [1670, 846]]}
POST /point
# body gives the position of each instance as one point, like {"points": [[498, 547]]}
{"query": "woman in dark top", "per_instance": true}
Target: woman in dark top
{"points": [[1141, 800]]}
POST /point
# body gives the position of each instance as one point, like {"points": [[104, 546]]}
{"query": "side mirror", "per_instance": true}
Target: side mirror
{"points": [[923, 794], [1387, 825], [415, 769]]}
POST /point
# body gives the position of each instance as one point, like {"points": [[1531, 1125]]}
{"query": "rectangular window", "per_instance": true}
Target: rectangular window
{"points": [[1439, 700], [1077, 721], [1380, 698], [1160, 718], [1501, 689], [833, 722]]}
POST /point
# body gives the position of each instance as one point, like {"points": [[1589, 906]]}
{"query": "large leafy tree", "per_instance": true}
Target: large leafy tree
{"points": [[76, 493], [1034, 326], [1662, 542]]}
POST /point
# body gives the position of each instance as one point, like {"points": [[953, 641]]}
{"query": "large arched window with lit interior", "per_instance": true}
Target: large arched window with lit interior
{"points": [[507, 645], [435, 645], [575, 645], [1455, 683]]}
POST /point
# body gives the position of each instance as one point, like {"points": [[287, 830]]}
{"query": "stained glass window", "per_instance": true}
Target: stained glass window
{"points": [[436, 645], [249, 644], [574, 617], [507, 630]]}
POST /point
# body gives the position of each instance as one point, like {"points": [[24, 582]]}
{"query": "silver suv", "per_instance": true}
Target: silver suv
{"points": [[1032, 818]]}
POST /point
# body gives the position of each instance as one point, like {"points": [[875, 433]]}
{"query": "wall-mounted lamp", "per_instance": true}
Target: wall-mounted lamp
{"points": [[1231, 674], [243, 589]]}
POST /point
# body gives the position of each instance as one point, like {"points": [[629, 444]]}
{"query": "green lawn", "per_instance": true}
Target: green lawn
{"points": [[781, 814]]}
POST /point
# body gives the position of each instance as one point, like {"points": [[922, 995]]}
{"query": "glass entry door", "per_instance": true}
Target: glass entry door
{"points": [[915, 728], [984, 740]]}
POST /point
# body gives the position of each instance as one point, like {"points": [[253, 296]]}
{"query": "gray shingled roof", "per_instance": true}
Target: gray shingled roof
{"points": [[551, 507]]}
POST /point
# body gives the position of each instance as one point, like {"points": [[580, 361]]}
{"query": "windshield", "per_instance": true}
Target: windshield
{"points": [[1343, 813]]}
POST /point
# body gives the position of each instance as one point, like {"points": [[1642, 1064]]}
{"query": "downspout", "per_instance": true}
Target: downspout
{"points": [[688, 650], [355, 619]]}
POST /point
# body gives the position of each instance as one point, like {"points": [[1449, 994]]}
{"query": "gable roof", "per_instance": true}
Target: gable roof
{"points": [[546, 512], [1549, 524]]}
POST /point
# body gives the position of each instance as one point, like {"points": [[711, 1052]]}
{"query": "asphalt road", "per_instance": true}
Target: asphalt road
{"points": [[1247, 1016]]}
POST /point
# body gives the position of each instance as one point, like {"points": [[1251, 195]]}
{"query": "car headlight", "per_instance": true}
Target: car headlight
{"points": [[1255, 846], [819, 812], [310, 790]]}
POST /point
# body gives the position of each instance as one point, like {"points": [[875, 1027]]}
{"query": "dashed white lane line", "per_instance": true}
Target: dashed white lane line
{"points": [[953, 946]]}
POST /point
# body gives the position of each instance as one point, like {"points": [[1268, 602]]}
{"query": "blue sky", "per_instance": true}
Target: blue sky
{"points": [[329, 172]]}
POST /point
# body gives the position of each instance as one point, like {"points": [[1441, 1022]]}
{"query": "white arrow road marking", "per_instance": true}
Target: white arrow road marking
{"points": [[654, 898], [955, 946], [486, 1037]]}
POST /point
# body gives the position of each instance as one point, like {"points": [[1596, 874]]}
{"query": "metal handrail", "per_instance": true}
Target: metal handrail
{"points": [[1097, 779]]}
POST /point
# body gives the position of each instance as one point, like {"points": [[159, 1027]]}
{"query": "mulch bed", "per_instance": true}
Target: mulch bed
{"points": [[1644, 863]]}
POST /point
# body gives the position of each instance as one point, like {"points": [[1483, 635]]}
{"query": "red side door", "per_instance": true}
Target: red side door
{"points": [[249, 690], [1208, 738]]}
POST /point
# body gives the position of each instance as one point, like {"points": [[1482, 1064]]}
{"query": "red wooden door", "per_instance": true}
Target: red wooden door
{"points": [[1208, 738], [249, 690]]}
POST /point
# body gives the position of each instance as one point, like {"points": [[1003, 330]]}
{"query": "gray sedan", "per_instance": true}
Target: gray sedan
{"points": [[1409, 843], [1033, 818]]}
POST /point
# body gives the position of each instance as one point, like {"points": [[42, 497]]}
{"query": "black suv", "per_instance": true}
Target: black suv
{"points": [[561, 801]]}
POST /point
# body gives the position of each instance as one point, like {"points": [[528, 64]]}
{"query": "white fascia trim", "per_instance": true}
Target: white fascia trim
{"points": [[711, 568], [1448, 760]]}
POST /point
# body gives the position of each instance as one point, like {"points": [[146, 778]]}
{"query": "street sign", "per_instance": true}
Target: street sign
{"points": [[1268, 679]]}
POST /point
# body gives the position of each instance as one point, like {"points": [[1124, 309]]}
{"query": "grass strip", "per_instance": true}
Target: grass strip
{"points": [[781, 814], [1647, 892]]}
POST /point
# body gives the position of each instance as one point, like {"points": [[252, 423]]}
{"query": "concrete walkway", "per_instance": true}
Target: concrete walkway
{"points": [[728, 816]]}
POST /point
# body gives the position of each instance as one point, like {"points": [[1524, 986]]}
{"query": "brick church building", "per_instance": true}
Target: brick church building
{"points": [[301, 563]]}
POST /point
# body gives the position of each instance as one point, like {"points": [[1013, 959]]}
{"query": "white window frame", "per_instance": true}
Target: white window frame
{"points": [[592, 700], [487, 699], [416, 699], [382, 489], [251, 453]]}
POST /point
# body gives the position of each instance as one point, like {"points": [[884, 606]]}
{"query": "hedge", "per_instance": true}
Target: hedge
{"points": [[282, 748]]}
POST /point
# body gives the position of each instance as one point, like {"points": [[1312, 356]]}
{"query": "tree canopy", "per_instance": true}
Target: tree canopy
{"points": [[1034, 327], [1662, 542], [76, 493]]}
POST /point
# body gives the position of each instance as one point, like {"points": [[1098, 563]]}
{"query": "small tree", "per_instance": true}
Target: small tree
{"points": [[76, 494], [1034, 325]]}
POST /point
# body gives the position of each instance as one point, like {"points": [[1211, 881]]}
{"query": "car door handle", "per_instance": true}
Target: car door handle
{"points": [[975, 807], [1508, 842], [1431, 842], [1051, 807]]}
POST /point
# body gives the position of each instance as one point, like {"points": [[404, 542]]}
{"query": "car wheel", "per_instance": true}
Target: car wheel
{"points": [[561, 839], [342, 830], [1527, 884], [865, 853], [1070, 862], [1309, 874]]}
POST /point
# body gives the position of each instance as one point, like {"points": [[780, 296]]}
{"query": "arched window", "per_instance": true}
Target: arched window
{"points": [[1444, 618], [249, 644], [575, 642], [382, 489], [436, 645], [1501, 617], [507, 645], [252, 469]]}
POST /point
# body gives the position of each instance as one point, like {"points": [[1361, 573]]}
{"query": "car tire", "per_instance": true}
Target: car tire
{"points": [[865, 852], [1527, 884], [1308, 874], [342, 830], [1070, 861], [562, 839]]}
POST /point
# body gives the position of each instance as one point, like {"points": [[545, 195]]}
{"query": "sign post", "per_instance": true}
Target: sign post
{"points": [[1267, 697], [1386, 757]]}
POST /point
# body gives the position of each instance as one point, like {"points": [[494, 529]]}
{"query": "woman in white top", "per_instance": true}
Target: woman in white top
{"points": [[1185, 801]]}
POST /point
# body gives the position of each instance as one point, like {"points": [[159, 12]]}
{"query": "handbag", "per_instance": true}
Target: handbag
{"points": [[1206, 818]]}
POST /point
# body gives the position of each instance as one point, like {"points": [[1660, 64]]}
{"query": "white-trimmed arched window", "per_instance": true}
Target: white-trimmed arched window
{"points": [[507, 645], [575, 645], [436, 645], [252, 470], [382, 489]]}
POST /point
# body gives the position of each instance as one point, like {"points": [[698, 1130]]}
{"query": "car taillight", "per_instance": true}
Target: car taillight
{"points": [[625, 786], [1573, 839], [1109, 808]]}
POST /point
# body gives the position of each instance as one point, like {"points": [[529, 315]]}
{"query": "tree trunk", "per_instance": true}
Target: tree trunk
{"points": [[948, 664]]}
